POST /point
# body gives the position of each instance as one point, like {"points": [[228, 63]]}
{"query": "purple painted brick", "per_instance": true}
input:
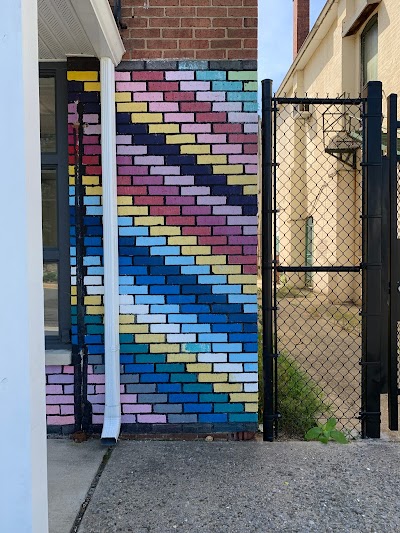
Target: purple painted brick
{"points": [[96, 398], [92, 150], [149, 160], [132, 150], [251, 128], [91, 118], [128, 398], [72, 107], [54, 389], [60, 399], [211, 221], [251, 169], [67, 410], [73, 117], [136, 408], [227, 148], [68, 389], [227, 210], [124, 160], [196, 128], [98, 408], [162, 107], [244, 158], [152, 419], [195, 85], [165, 170], [250, 230], [97, 419], [179, 180], [180, 200], [94, 129], [130, 86], [148, 97], [249, 250], [96, 378], [175, 75], [242, 240], [132, 170], [211, 200], [228, 230], [53, 369], [164, 191], [212, 139], [195, 191], [243, 117], [61, 378], [147, 180], [196, 210], [124, 139], [68, 369], [227, 106], [52, 409], [242, 221], [128, 419], [179, 117]]}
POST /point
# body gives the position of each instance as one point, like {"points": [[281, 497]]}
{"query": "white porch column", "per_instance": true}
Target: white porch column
{"points": [[23, 466], [112, 414]]}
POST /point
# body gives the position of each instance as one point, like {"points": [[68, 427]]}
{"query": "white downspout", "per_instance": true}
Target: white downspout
{"points": [[112, 413]]}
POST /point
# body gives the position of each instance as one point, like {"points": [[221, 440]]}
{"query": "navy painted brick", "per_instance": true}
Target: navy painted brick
{"points": [[165, 270], [215, 179], [163, 149], [193, 170], [213, 298], [196, 289], [150, 261], [194, 309], [181, 160], [144, 140]]}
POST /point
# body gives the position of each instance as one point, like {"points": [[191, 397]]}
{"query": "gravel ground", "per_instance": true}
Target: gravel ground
{"points": [[238, 487]]}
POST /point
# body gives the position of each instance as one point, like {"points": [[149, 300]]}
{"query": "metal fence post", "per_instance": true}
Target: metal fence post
{"points": [[372, 262], [267, 261]]}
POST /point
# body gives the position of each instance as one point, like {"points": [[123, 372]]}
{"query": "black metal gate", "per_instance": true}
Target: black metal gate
{"points": [[324, 276]]}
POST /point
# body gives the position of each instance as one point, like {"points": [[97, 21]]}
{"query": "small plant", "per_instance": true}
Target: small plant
{"points": [[326, 432]]}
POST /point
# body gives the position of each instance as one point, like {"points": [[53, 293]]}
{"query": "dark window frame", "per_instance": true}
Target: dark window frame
{"points": [[370, 24], [58, 160]]}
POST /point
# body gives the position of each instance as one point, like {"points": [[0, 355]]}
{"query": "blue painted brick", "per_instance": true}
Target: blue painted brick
{"points": [[251, 367], [183, 398], [170, 367], [165, 270], [169, 387], [243, 337], [165, 250], [197, 269], [226, 289], [134, 348], [243, 298], [136, 368], [149, 280], [210, 318], [213, 418], [197, 289], [193, 308], [164, 309], [243, 357], [151, 241], [154, 378], [213, 298], [196, 328], [195, 347], [164, 289], [141, 261], [182, 319], [249, 317], [133, 289], [248, 96], [213, 337], [125, 337], [226, 308], [251, 107], [250, 347], [197, 408], [212, 279], [150, 299], [181, 299], [138, 271], [136, 231], [181, 280], [250, 308], [95, 349], [209, 75], [227, 347], [250, 328], [179, 260], [125, 359], [92, 339]]}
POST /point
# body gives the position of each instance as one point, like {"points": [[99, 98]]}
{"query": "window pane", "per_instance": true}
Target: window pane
{"points": [[47, 94], [50, 285], [49, 208], [370, 54]]}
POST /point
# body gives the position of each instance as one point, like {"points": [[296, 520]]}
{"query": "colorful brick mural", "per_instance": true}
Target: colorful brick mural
{"points": [[187, 206]]}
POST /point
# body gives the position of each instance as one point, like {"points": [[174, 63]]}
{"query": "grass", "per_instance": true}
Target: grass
{"points": [[300, 400]]}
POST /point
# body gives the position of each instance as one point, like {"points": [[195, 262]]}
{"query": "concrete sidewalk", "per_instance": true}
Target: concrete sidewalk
{"points": [[71, 470], [239, 487]]}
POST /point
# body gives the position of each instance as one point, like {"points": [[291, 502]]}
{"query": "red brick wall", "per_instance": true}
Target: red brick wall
{"points": [[301, 23], [190, 29]]}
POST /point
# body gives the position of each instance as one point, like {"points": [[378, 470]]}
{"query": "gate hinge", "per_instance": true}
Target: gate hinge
{"points": [[366, 414], [364, 363]]}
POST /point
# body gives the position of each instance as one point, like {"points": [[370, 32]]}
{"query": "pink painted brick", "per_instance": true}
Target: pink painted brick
{"points": [[122, 76], [149, 160], [227, 210], [100, 389], [195, 191], [227, 128], [196, 128], [136, 408], [211, 200], [211, 139], [148, 97], [251, 169], [179, 117], [244, 158], [250, 148], [211, 221], [161, 107], [233, 250], [163, 86], [124, 160], [51, 369], [208, 96], [94, 129], [150, 75], [60, 420], [96, 378], [249, 250], [128, 419], [195, 85], [68, 369], [52, 409], [92, 149], [152, 419], [147, 180], [227, 106], [179, 200], [163, 190], [131, 150], [196, 210], [227, 148], [250, 230], [54, 389], [128, 398], [185, 75], [67, 409], [165, 170], [243, 138], [124, 139], [132, 170], [242, 259], [91, 118], [243, 117], [179, 180], [73, 117], [228, 230], [72, 107], [124, 180], [130, 86], [243, 239], [249, 269], [60, 399], [215, 239]]}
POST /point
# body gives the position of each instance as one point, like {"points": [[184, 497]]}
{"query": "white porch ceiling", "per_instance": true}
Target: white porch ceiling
{"points": [[77, 28]]}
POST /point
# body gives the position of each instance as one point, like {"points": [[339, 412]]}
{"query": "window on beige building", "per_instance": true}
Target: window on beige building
{"points": [[369, 51]]}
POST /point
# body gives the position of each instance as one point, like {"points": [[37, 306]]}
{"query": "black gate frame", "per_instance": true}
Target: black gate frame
{"points": [[373, 266]]}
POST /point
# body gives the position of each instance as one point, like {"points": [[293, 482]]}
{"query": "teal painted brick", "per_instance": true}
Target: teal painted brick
{"points": [[227, 86], [228, 408], [213, 398], [150, 358], [171, 367], [198, 387], [125, 338], [210, 75], [242, 97], [245, 75], [92, 319], [250, 106], [94, 328], [193, 65], [134, 348], [243, 417], [195, 347], [183, 378]]}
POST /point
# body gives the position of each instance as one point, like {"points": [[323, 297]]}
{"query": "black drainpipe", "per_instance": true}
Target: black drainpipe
{"points": [[83, 408]]}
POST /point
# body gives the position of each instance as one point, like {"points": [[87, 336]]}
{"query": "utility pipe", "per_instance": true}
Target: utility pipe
{"points": [[112, 413]]}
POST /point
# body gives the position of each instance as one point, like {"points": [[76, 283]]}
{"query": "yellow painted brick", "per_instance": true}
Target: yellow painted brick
{"points": [[91, 86], [191, 240], [165, 348], [151, 337], [149, 221], [250, 189], [71, 170], [181, 358], [180, 139], [84, 75], [123, 97], [132, 107], [199, 367], [147, 118], [250, 289], [228, 387], [196, 149], [94, 310], [226, 269], [196, 250], [74, 300], [243, 179], [138, 210], [211, 260], [165, 230], [244, 279], [71, 180], [164, 128], [212, 378], [124, 200], [243, 397], [73, 289], [212, 159], [126, 319], [134, 328], [227, 169], [251, 407], [90, 180], [93, 191], [92, 300]]}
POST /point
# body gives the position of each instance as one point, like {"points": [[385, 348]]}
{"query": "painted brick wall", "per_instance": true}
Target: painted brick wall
{"points": [[190, 29], [186, 156]]}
